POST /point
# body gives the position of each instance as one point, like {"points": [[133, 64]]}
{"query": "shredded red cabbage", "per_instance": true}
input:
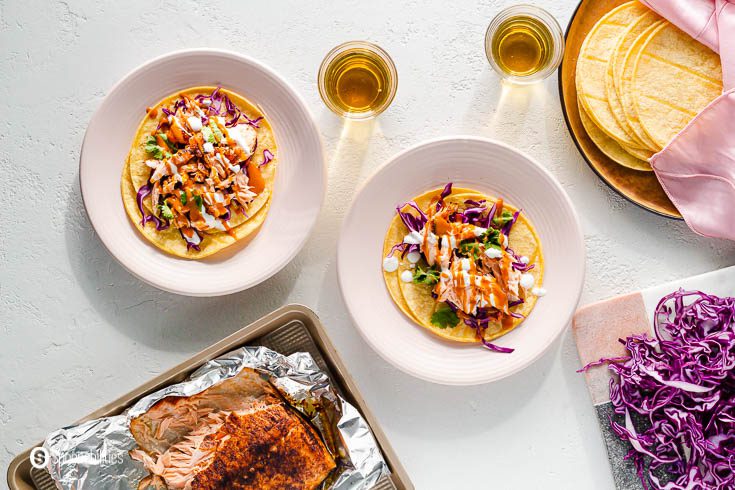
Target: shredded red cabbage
{"points": [[267, 157], [221, 104], [506, 229], [229, 105], [477, 215], [144, 192], [517, 264], [404, 248], [480, 322], [496, 348], [474, 214], [253, 122], [675, 394], [233, 122], [446, 191], [216, 99], [189, 244], [413, 223]]}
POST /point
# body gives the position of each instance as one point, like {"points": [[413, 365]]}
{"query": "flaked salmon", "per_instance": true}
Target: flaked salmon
{"points": [[238, 434]]}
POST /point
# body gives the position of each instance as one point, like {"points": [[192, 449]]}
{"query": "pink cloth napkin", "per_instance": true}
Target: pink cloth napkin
{"points": [[697, 168]]}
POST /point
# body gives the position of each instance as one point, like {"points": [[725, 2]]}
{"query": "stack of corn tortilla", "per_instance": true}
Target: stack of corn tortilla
{"points": [[640, 80]]}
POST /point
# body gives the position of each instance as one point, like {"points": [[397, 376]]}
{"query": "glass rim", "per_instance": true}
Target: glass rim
{"points": [[543, 16], [341, 48]]}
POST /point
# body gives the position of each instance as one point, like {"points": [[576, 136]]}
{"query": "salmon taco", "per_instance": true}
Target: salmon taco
{"points": [[200, 172], [466, 266]]}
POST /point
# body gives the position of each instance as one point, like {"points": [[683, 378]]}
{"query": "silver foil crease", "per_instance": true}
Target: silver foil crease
{"points": [[94, 454]]}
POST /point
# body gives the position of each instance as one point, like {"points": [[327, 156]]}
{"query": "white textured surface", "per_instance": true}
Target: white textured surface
{"points": [[77, 330]]}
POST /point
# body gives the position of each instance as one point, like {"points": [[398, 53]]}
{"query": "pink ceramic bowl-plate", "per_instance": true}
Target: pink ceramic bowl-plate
{"points": [[489, 167], [299, 187]]}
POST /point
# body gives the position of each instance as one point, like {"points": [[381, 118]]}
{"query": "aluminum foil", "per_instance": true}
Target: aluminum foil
{"points": [[94, 454]]}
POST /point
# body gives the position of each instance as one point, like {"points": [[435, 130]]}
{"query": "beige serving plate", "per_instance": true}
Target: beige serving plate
{"points": [[641, 188], [292, 328]]}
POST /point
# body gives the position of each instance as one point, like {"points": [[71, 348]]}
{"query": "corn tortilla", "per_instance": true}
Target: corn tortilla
{"points": [[415, 300]]}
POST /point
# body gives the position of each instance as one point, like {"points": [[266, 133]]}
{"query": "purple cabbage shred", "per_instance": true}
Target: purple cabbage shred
{"points": [[674, 394], [190, 245], [267, 157], [413, 223], [143, 192]]}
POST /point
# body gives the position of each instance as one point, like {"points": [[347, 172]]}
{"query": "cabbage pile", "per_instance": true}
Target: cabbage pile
{"points": [[675, 394]]}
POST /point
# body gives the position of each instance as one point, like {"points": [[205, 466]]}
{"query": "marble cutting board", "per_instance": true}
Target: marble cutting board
{"points": [[597, 328]]}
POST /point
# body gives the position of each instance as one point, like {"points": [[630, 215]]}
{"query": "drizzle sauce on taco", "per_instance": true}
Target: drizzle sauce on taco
{"points": [[202, 164], [463, 265]]}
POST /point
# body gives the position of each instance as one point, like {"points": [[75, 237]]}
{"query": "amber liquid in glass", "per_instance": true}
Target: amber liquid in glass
{"points": [[522, 46], [357, 81]]}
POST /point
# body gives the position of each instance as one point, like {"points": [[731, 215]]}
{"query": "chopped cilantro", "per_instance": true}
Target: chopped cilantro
{"points": [[491, 237], [505, 218], [183, 198], [444, 317], [198, 201], [470, 248], [152, 147], [428, 276], [171, 146], [165, 211]]}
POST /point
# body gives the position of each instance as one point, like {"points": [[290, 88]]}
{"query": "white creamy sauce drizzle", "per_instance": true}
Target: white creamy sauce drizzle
{"points": [[413, 238], [211, 221], [244, 135], [431, 242], [493, 253], [195, 123], [465, 265], [455, 277], [527, 280], [390, 264], [194, 238]]}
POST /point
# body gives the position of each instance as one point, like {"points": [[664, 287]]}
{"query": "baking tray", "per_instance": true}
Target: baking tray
{"points": [[597, 328], [641, 188], [292, 328]]}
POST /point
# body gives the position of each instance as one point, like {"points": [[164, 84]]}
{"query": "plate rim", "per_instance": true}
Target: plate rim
{"points": [[573, 135], [312, 123], [579, 235]]}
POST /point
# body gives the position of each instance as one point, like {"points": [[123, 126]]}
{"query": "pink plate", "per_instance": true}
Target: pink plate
{"points": [[489, 167], [299, 187]]}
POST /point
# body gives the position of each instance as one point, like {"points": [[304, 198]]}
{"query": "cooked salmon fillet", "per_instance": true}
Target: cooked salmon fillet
{"points": [[261, 444], [171, 419]]}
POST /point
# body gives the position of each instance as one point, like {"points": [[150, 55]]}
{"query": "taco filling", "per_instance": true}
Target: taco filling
{"points": [[202, 170], [455, 266]]}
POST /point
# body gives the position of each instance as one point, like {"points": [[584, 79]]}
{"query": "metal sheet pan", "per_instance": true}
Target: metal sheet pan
{"points": [[289, 329]]}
